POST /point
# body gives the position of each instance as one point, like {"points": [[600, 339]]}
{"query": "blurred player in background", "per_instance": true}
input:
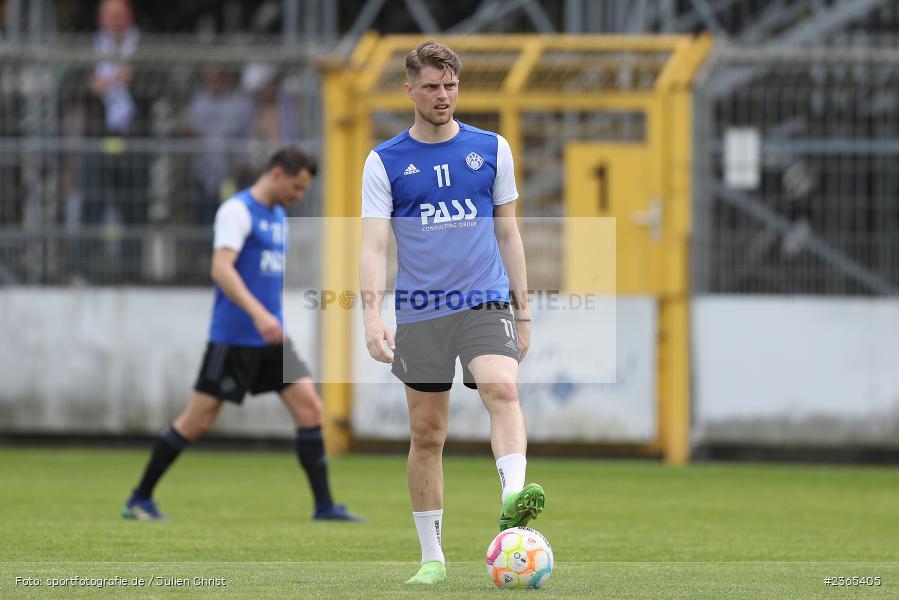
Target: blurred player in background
{"points": [[440, 184], [247, 349]]}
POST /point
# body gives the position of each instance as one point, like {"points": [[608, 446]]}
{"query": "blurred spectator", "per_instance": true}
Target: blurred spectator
{"points": [[219, 115], [275, 121], [274, 116], [113, 179], [115, 43]]}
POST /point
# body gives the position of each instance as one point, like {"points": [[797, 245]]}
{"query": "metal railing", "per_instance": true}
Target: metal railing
{"points": [[85, 199], [818, 213], [796, 187]]}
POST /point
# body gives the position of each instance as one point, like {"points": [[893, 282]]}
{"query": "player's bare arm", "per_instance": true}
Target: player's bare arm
{"points": [[373, 279], [511, 249], [229, 281]]}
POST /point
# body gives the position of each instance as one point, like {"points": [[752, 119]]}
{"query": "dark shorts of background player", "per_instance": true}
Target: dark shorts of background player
{"points": [[229, 372], [426, 351]]}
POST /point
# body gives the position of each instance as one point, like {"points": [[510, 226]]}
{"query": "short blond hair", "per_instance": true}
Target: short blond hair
{"points": [[432, 54]]}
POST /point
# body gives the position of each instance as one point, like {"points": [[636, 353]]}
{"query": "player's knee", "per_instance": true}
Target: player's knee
{"points": [[186, 425], [313, 411], [202, 423], [499, 392], [427, 436], [306, 406]]}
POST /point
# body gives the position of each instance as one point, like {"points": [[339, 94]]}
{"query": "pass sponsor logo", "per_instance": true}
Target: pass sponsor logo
{"points": [[271, 262], [444, 214]]}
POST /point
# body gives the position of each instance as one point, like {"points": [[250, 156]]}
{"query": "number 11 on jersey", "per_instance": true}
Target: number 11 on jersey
{"points": [[443, 179]]}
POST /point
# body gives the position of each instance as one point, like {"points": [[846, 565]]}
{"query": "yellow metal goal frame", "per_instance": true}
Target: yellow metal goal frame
{"points": [[521, 79]]}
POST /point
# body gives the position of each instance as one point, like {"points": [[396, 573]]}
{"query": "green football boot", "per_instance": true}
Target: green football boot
{"points": [[430, 573], [520, 508]]}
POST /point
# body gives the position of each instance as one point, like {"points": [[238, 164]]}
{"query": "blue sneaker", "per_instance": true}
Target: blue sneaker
{"points": [[336, 512], [142, 509]]}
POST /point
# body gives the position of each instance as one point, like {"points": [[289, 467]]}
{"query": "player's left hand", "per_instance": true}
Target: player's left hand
{"points": [[269, 328], [523, 332], [376, 333]]}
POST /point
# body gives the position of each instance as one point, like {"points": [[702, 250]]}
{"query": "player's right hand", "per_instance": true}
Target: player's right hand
{"points": [[376, 333], [269, 327]]}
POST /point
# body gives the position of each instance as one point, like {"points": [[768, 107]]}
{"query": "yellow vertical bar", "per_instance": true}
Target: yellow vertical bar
{"points": [[510, 128], [674, 314], [658, 255], [676, 306], [360, 144], [336, 336], [674, 405]]}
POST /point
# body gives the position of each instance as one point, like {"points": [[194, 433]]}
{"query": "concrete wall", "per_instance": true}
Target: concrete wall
{"points": [[117, 361], [784, 370], [781, 370], [124, 361]]}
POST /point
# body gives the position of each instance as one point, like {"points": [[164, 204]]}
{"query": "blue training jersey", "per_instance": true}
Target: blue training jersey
{"points": [[257, 232], [440, 199]]}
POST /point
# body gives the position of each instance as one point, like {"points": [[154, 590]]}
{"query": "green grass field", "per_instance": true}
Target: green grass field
{"points": [[619, 529]]}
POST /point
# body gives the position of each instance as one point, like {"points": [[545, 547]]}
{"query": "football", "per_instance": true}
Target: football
{"points": [[519, 557]]}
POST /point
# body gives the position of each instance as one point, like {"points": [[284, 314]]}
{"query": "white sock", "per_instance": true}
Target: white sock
{"points": [[428, 524], [511, 468]]}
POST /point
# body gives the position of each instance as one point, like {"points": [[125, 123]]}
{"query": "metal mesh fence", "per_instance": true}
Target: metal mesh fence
{"points": [[597, 70], [812, 136], [119, 183], [558, 69], [480, 70], [797, 189]]}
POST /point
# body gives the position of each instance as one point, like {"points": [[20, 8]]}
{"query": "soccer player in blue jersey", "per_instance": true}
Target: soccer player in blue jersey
{"points": [[448, 191], [247, 349]]}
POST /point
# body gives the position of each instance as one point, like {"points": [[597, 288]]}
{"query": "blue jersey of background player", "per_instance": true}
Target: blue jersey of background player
{"points": [[247, 350], [252, 233], [448, 191]]}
